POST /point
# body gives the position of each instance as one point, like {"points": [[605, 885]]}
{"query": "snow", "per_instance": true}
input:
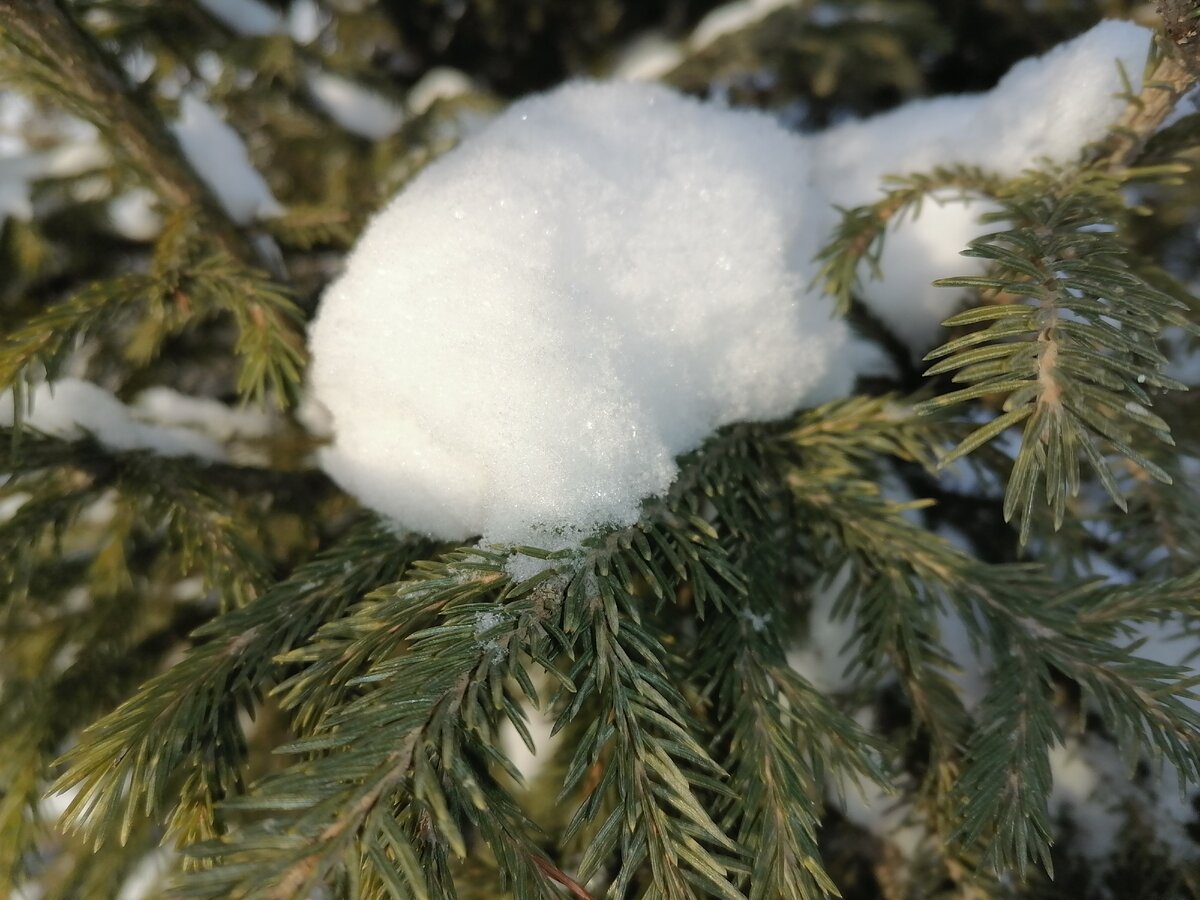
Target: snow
{"points": [[247, 17], [1045, 109], [306, 20], [220, 157], [147, 878], [1094, 790], [1171, 643], [871, 807], [69, 147], [828, 649], [11, 504], [17, 174], [525, 339], [134, 214], [69, 408], [359, 110], [545, 744], [1088, 796], [647, 57], [438, 84], [168, 407], [733, 17]]}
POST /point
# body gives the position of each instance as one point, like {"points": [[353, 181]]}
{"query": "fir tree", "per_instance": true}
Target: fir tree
{"points": [[907, 643]]}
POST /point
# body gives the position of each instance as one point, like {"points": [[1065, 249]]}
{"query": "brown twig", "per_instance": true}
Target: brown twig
{"points": [[1175, 71], [552, 871]]}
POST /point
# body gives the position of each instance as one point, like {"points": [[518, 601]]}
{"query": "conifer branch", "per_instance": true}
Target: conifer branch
{"points": [[59, 56], [778, 766], [861, 232], [55, 52], [419, 737], [1171, 71], [1076, 381], [197, 700], [648, 797]]}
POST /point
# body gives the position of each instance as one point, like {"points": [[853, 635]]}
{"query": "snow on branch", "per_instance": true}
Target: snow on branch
{"points": [[529, 335]]}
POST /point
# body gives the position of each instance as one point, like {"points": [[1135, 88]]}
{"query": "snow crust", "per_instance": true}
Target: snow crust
{"points": [[525, 339], [220, 157]]}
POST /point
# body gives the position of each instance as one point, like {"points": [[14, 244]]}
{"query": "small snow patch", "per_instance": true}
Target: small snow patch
{"points": [[247, 17], [356, 108], [438, 84], [220, 157], [69, 408]]}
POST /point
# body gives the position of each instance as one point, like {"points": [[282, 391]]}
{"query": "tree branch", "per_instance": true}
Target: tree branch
{"points": [[44, 33], [1174, 73]]}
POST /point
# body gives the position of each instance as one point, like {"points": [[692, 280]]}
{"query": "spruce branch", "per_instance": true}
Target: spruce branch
{"points": [[159, 492], [1075, 357], [784, 740], [646, 807], [182, 724], [860, 234], [1171, 70], [998, 801], [56, 54], [395, 773], [54, 51], [191, 279]]}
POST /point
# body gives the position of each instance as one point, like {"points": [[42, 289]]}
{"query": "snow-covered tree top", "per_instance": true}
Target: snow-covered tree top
{"points": [[528, 336]]}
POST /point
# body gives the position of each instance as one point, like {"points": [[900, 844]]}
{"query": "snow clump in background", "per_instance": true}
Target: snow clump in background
{"points": [[527, 337]]}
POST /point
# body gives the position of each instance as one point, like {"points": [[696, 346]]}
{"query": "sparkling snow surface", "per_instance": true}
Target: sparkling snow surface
{"points": [[525, 339]]}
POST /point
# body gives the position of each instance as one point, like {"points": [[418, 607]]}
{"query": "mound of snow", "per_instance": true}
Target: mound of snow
{"points": [[527, 337]]}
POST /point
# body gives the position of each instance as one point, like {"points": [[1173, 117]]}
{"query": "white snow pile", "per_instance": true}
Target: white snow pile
{"points": [[527, 337]]}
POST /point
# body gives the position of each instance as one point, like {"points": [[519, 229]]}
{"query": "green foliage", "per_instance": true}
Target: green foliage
{"points": [[1073, 352], [229, 660], [190, 279], [861, 233]]}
